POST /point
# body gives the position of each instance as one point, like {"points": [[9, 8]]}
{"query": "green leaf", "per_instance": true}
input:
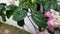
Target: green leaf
{"points": [[9, 13], [39, 1], [4, 4], [34, 7], [58, 8], [39, 20], [19, 15], [25, 6], [21, 23], [12, 7], [50, 5], [35, 1], [21, 1], [3, 17], [2, 8]]}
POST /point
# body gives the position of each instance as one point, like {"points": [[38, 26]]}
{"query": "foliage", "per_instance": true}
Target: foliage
{"points": [[21, 22], [40, 20], [20, 12], [19, 15], [9, 13], [2, 9]]}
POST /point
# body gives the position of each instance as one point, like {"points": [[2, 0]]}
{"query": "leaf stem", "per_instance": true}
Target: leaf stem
{"points": [[32, 23]]}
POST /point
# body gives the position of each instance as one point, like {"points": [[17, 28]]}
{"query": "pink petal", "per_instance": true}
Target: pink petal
{"points": [[40, 33], [46, 32], [50, 22], [51, 25], [49, 14], [51, 28]]}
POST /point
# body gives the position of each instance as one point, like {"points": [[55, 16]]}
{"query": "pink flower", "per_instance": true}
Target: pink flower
{"points": [[44, 32], [50, 22], [51, 25], [49, 15], [40, 33]]}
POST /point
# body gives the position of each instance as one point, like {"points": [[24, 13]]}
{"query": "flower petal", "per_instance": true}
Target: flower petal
{"points": [[51, 25]]}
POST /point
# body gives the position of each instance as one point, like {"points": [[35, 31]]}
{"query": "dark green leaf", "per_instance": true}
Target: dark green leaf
{"points": [[21, 1], [39, 1], [40, 20], [9, 13], [2, 8], [50, 5], [21, 23], [35, 1], [19, 15], [12, 7], [4, 4], [56, 28], [25, 6], [58, 8], [34, 7], [3, 17]]}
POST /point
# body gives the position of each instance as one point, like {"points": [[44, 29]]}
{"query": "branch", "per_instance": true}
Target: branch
{"points": [[32, 23]]}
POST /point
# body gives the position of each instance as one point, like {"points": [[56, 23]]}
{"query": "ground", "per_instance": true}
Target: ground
{"points": [[8, 29]]}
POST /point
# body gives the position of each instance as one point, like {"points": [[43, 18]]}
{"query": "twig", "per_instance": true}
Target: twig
{"points": [[32, 23], [28, 27]]}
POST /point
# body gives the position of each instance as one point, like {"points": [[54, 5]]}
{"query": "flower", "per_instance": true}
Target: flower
{"points": [[43, 32], [52, 22], [46, 32], [51, 25], [49, 15], [40, 33], [57, 22]]}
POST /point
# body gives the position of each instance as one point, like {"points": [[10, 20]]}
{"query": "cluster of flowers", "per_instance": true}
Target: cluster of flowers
{"points": [[53, 21]]}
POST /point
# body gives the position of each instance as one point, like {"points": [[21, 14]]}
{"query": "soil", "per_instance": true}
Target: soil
{"points": [[8, 29]]}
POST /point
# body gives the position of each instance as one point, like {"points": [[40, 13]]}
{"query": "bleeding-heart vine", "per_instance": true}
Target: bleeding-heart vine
{"points": [[41, 13]]}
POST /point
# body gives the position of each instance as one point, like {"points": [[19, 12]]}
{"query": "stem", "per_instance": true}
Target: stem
{"points": [[41, 8], [28, 27], [32, 23]]}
